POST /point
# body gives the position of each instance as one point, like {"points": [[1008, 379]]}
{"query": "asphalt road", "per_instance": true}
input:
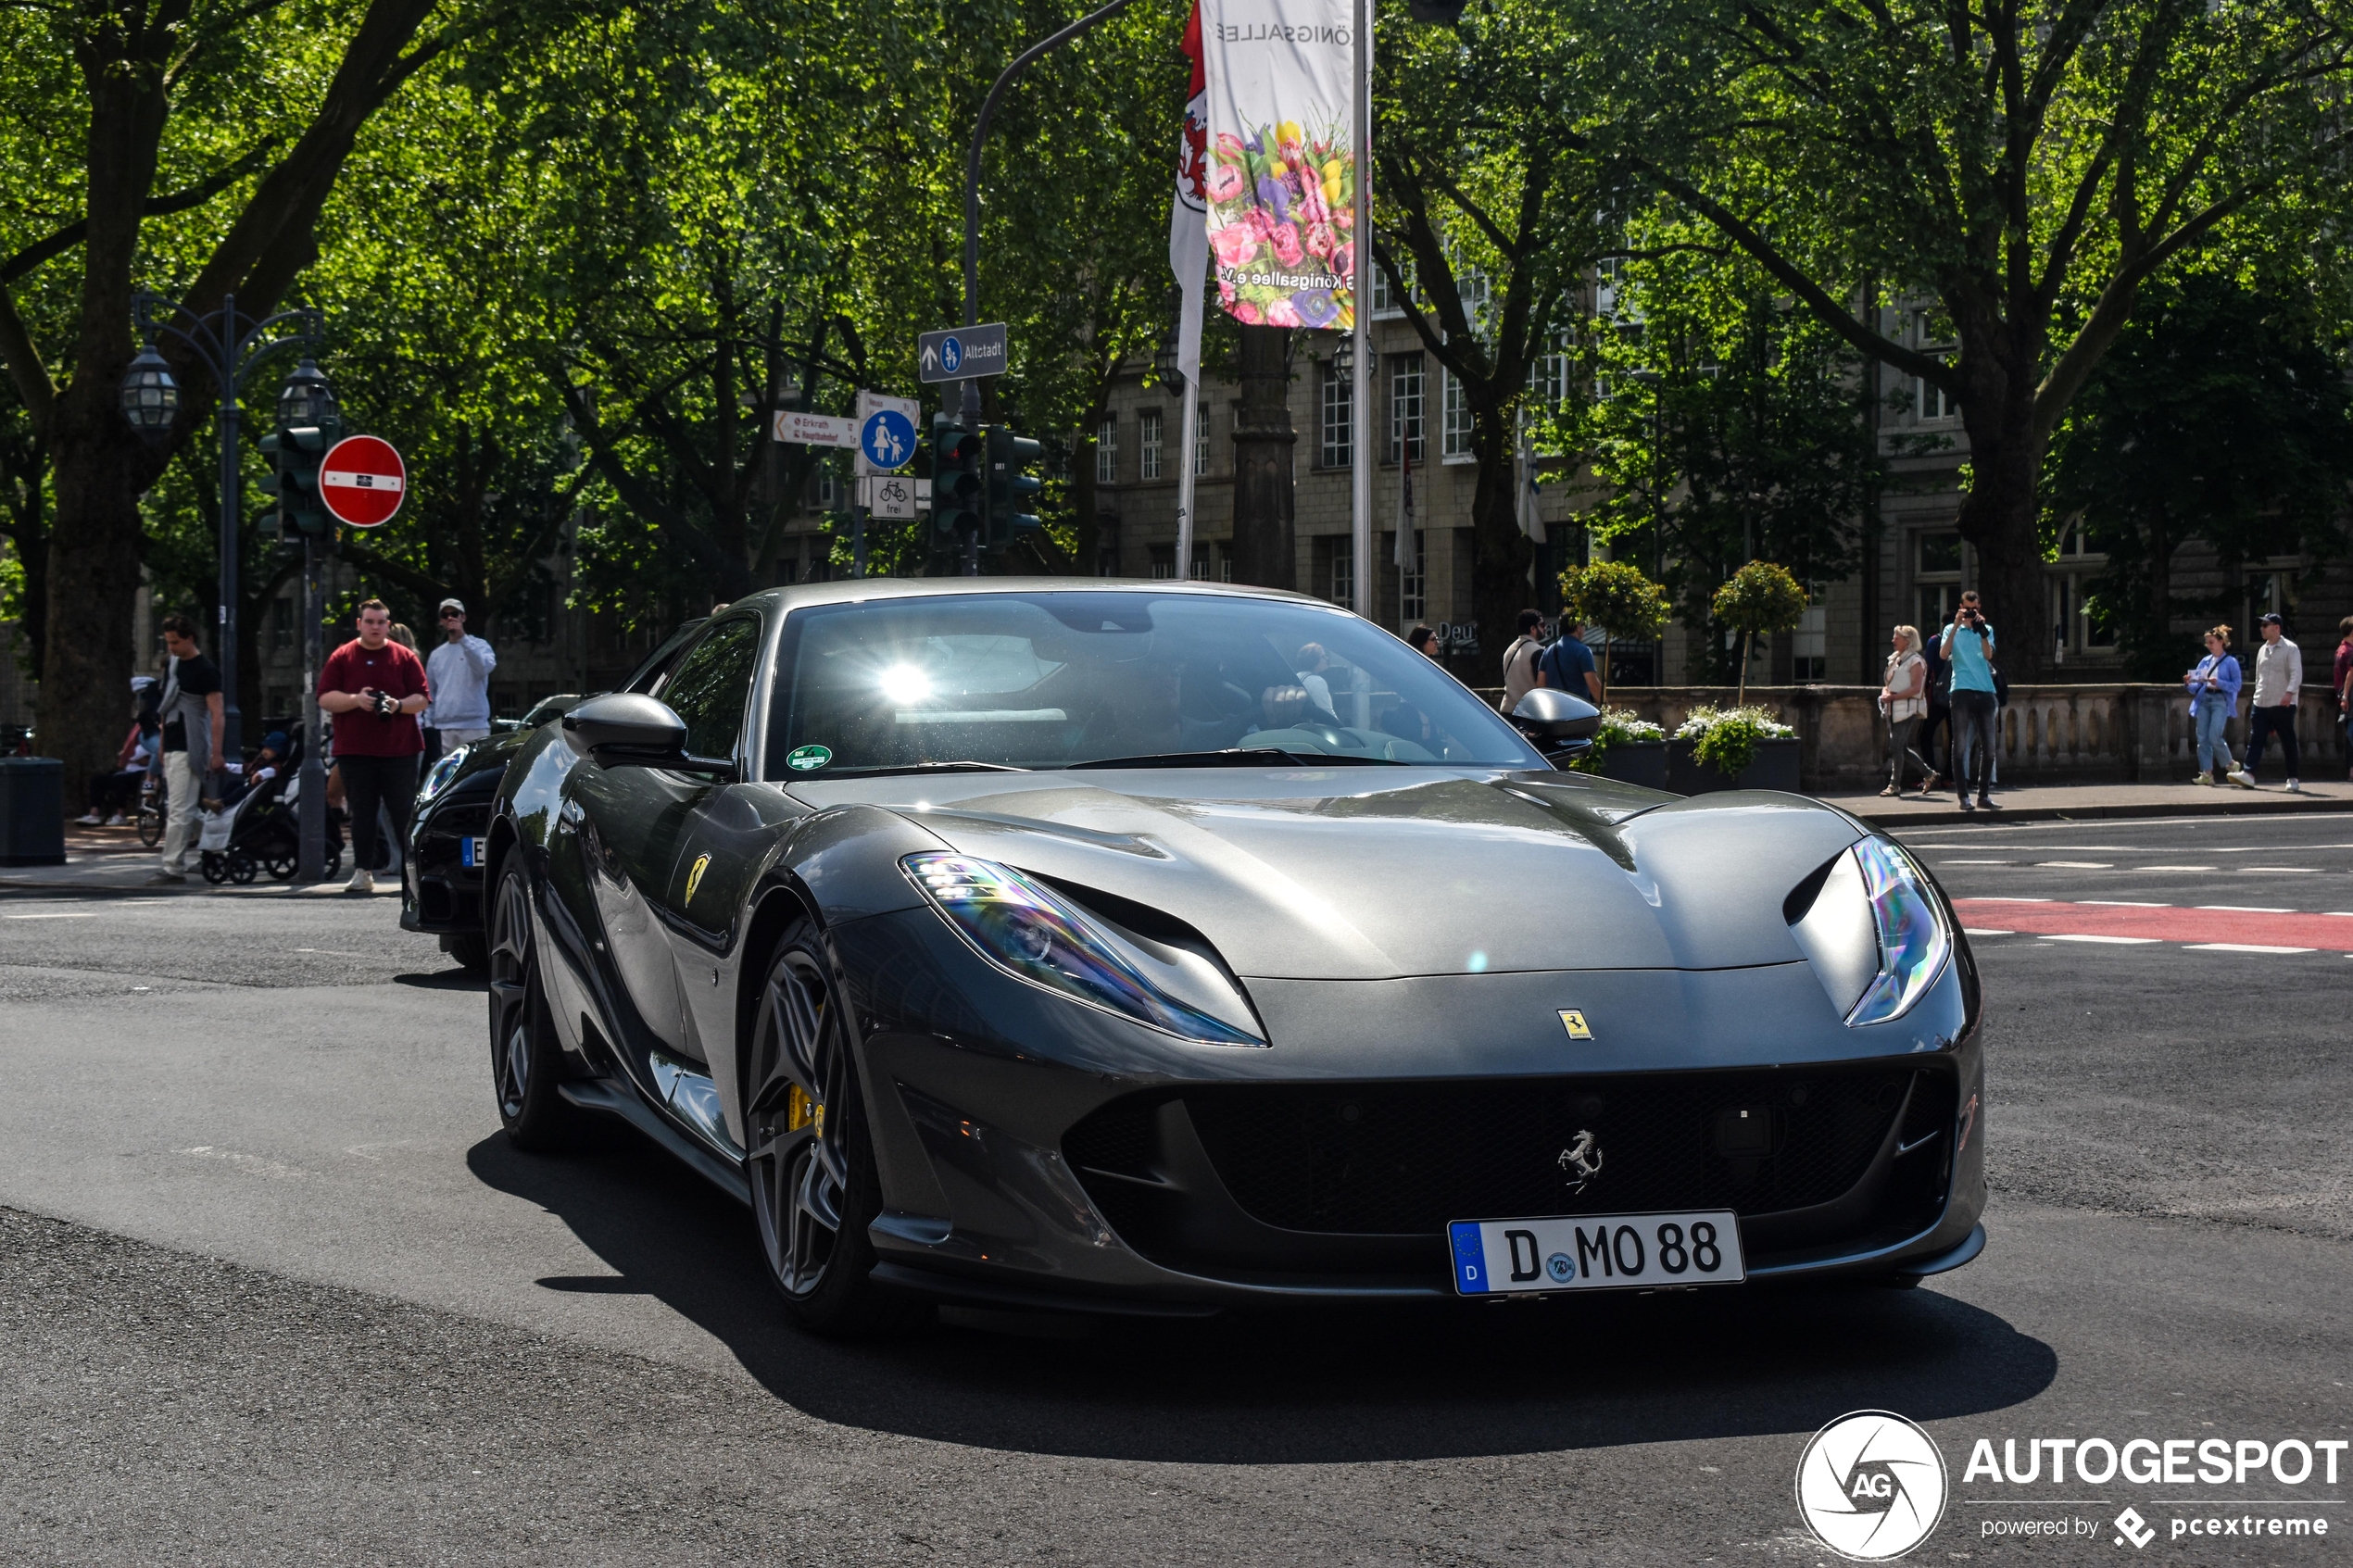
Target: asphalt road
{"points": [[273, 1289]]}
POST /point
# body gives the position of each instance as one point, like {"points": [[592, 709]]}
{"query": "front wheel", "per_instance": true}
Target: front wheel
{"points": [[813, 1184], [526, 1064]]}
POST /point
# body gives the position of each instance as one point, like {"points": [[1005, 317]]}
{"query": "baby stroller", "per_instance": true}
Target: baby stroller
{"points": [[262, 830]]}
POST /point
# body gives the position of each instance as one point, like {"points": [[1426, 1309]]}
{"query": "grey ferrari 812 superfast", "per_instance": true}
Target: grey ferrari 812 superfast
{"points": [[1163, 948]]}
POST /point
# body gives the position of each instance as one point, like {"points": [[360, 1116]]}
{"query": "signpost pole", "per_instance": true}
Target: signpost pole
{"points": [[858, 539], [1360, 387], [1190, 426], [310, 856]]}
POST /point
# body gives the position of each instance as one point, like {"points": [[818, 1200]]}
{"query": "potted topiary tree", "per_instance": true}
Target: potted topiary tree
{"points": [[1758, 599], [1616, 596]]}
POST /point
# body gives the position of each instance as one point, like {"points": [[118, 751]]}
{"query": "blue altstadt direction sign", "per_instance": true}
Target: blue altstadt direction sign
{"points": [[960, 353], [886, 433]]}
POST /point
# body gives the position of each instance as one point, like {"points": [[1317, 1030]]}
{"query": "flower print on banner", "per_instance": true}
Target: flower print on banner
{"points": [[1281, 181]]}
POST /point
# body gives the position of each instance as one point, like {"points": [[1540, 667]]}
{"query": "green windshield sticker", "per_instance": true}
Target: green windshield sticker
{"points": [[802, 758]]}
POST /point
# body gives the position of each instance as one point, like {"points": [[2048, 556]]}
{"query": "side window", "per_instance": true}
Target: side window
{"points": [[713, 684]]}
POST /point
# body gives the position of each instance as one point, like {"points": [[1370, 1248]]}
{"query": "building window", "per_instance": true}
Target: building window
{"points": [[1414, 583], [1148, 442], [1928, 402], [1107, 451], [1164, 562], [1343, 572], [282, 623], [1936, 577], [1548, 373], [1809, 648], [828, 490], [1454, 440], [1406, 407], [1337, 449], [1201, 563], [1201, 440]]}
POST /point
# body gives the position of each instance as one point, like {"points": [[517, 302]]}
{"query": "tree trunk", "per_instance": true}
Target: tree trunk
{"points": [[1265, 552], [2001, 518], [93, 579], [1500, 552], [1741, 700]]}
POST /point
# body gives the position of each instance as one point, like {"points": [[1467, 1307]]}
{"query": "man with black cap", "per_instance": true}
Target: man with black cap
{"points": [[2278, 675], [458, 674]]}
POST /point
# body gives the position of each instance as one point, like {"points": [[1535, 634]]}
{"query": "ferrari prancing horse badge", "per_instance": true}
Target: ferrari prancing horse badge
{"points": [[1571, 1020]]}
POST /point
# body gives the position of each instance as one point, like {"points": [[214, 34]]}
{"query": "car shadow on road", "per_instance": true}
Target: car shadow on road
{"points": [[1297, 1386]]}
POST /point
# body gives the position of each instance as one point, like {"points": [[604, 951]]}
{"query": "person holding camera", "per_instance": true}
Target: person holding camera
{"points": [[374, 689], [1968, 643]]}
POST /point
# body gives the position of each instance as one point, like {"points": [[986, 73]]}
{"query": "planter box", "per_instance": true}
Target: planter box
{"points": [[1774, 767], [1637, 763]]}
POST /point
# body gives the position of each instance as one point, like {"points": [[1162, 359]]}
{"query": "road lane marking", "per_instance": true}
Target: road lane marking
{"points": [[2239, 947], [2170, 868], [2078, 936], [1985, 931], [2279, 870], [2123, 903], [2074, 865], [92, 915], [2245, 908]]}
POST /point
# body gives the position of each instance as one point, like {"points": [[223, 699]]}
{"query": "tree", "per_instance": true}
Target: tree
{"points": [[1737, 431], [2220, 416], [1483, 199], [2031, 167], [1616, 596], [172, 106], [1758, 599]]}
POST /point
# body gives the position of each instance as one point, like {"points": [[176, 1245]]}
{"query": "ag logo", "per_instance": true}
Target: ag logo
{"points": [[1871, 1486]]}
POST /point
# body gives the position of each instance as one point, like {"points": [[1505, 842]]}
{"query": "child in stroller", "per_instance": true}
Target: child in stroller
{"points": [[259, 826]]}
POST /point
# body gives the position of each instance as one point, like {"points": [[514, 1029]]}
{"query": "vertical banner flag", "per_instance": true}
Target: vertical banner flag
{"points": [[1281, 173], [1187, 231]]}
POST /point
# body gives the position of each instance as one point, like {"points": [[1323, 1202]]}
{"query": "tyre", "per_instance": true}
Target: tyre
{"points": [[279, 867], [813, 1184], [214, 867], [150, 826], [526, 1064], [335, 859], [470, 949], [243, 868]]}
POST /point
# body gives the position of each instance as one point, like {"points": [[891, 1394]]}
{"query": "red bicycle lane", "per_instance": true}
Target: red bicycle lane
{"points": [[2161, 923]]}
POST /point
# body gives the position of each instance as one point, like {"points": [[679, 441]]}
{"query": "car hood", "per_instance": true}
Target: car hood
{"points": [[1360, 873]]}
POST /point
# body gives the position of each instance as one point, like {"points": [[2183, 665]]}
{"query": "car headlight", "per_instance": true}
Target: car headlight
{"points": [[1875, 932], [1025, 927], [437, 778]]}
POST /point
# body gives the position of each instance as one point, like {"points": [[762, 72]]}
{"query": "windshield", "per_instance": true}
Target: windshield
{"points": [[1054, 680]]}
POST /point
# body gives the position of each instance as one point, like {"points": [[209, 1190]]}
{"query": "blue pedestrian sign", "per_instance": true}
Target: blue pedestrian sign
{"points": [[889, 440], [960, 353]]}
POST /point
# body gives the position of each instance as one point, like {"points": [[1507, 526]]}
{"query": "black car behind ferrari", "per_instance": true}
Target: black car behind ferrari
{"points": [[1166, 947]]}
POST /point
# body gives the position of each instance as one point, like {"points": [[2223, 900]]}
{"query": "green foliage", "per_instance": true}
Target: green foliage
{"points": [[1616, 596], [1761, 597], [1620, 726], [2222, 416], [1727, 737]]}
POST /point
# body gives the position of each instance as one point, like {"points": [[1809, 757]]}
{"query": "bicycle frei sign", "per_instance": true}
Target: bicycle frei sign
{"points": [[361, 481], [960, 353]]}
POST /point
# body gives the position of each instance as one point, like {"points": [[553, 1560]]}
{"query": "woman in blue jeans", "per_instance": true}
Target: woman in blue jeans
{"points": [[2214, 697]]}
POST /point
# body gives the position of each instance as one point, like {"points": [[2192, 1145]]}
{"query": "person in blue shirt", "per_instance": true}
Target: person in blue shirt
{"points": [[2214, 700], [1967, 643], [1568, 665]]}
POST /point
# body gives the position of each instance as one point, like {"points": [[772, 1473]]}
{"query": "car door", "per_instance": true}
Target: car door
{"points": [[634, 819]]}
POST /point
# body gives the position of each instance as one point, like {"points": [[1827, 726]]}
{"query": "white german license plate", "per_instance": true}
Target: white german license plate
{"points": [[471, 850], [1597, 1252]]}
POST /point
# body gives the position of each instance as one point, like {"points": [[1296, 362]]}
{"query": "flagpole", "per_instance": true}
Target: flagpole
{"points": [[1191, 424], [1360, 391]]}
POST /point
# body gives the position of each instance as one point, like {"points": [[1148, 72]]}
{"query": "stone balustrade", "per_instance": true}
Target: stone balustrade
{"points": [[2125, 732]]}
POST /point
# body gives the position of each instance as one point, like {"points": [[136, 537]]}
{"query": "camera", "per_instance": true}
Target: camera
{"points": [[386, 703]]}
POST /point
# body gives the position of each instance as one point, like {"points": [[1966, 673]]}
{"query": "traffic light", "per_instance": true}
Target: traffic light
{"points": [[956, 493], [1011, 487], [294, 455]]}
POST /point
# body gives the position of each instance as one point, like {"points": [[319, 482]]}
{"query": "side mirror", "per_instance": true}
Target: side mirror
{"points": [[627, 729], [1559, 724]]}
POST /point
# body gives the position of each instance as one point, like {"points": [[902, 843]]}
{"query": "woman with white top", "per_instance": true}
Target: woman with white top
{"points": [[1904, 698], [2214, 697]]}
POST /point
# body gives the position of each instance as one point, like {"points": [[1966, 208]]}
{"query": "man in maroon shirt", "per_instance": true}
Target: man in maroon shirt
{"points": [[375, 688]]}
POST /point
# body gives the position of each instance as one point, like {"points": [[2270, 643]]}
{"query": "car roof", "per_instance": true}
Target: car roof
{"points": [[853, 590]]}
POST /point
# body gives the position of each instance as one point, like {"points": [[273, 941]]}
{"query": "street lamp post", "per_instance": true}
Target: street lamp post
{"points": [[308, 402], [229, 345]]}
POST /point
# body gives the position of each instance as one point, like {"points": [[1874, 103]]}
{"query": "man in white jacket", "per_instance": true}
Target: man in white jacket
{"points": [[458, 676], [2278, 677]]}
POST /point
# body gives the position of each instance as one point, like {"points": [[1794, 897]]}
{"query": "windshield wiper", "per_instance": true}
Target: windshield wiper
{"points": [[1249, 756], [958, 767]]}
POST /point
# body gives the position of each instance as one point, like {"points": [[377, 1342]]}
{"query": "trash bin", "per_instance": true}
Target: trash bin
{"points": [[32, 812]]}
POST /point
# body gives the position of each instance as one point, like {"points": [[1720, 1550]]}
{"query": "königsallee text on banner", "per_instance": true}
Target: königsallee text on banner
{"points": [[1281, 175]]}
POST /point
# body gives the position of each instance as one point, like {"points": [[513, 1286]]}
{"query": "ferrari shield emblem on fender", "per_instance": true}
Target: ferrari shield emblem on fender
{"points": [[694, 875], [1574, 1021]]}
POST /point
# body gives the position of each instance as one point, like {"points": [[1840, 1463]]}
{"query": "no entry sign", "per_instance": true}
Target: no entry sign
{"points": [[361, 481]]}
